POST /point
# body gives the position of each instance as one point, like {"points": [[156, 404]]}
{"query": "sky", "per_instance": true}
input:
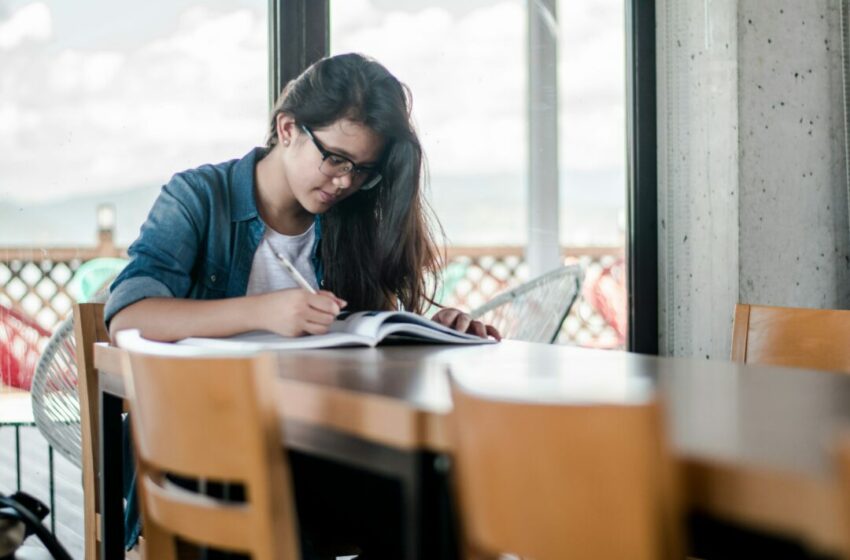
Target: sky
{"points": [[468, 75], [103, 95]]}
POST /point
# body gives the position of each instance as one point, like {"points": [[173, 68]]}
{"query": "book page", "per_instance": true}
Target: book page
{"points": [[259, 341], [414, 332], [362, 323], [363, 328], [380, 324]]}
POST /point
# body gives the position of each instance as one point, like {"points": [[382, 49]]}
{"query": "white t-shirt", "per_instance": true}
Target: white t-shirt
{"points": [[268, 275]]}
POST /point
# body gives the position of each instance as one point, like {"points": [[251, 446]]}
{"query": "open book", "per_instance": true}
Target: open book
{"points": [[364, 328]]}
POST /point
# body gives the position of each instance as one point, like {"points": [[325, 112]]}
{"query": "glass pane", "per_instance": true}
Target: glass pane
{"points": [[100, 103], [465, 64], [592, 98]]}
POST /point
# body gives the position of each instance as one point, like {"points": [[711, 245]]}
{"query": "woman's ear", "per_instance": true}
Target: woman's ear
{"points": [[285, 127]]}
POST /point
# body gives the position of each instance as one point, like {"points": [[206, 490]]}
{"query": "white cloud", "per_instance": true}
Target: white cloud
{"points": [[31, 22], [592, 84], [468, 77], [84, 72], [92, 120], [98, 120], [350, 15]]}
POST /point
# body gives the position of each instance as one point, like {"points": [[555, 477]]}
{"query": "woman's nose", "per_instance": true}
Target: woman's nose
{"points": [[343, 182]]}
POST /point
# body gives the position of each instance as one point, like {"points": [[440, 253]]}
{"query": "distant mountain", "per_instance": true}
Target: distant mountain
{"points": [[73, 221]]}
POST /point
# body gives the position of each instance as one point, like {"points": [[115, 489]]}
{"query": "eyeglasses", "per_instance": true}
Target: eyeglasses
{"points": [[335, 165]]}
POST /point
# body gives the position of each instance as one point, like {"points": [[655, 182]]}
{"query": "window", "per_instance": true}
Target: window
{"points": [[100, 103], [592, 162], [467, 65], [464, 62]]}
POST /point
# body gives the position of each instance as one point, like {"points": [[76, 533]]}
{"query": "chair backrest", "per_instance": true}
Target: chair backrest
{"points": [[552, 481], [211, 419], [535, 310], [55, 398], [89, 329], [788, 336]]}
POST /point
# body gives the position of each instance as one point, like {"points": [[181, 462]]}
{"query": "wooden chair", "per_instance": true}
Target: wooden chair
{"points": [[788, 336], [211, 419], [552, 481], [89, 328]]}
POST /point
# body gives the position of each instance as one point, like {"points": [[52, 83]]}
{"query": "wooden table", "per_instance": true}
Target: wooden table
{"points": [[754, 442]]}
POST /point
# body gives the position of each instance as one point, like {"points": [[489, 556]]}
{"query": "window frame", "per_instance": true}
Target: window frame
{"points": [[299, 35], [642, 178]]}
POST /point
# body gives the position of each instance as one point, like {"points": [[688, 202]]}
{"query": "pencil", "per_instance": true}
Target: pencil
{"points": [[293, 272]]}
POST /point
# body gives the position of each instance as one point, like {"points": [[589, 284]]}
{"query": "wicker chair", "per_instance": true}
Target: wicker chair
{"points": [[534, 311], [55, 401]]}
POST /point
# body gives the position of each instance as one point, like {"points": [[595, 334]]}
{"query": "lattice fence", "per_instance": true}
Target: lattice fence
{"points": [[39, 288], [36, 282]]}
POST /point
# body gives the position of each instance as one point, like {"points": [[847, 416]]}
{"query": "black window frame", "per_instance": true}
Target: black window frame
{"points": [[642, 177], [299, 35]]}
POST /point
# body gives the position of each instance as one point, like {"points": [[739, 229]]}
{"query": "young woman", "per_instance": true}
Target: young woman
{"points": [[337, 190]]}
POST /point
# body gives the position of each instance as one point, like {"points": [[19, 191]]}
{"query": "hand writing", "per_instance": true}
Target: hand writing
{"points": [[297, 312]]}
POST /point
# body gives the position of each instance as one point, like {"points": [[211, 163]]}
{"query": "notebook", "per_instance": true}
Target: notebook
{"points": [[363, 328]]}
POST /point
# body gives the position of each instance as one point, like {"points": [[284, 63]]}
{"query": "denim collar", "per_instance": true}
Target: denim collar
{"points": [[244, 206], [242, 182]]}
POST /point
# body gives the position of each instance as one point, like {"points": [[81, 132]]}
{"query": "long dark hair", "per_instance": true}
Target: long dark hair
{"points": [[377, 247]]}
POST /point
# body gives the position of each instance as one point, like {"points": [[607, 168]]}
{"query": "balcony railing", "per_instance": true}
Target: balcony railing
{"points": [[35, 281]]}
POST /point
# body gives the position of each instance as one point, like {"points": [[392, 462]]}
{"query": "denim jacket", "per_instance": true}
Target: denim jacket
{"points": [[199, 239], [198, 242]]}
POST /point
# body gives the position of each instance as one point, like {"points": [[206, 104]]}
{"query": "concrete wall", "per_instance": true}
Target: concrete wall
{"points": [[752, 185]]}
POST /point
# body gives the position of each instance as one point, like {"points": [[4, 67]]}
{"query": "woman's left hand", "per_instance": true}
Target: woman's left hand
{"points": [[460, 321]]}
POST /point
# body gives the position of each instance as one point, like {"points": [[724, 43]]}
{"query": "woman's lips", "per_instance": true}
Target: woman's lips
{"points": [[327, 198]]}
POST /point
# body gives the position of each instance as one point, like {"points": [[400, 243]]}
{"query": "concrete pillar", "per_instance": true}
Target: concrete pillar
{"points": [[752, 186], [698, 175], [793, 226]]}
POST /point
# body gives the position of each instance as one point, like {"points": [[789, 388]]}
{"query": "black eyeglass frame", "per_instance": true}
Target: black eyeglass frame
{"points": [[353, 168]]}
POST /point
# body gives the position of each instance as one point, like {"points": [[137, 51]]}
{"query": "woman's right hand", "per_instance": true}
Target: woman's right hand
{"points": [[296, 312]]}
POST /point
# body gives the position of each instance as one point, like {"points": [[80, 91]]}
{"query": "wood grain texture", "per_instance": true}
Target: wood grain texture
{"points": [[89, 329], [740, 329], [210, 419], [551, 481], [790, 336], [731, 426]]}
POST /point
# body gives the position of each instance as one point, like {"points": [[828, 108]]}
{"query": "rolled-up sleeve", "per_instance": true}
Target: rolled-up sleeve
{"points": [[164, 255]]}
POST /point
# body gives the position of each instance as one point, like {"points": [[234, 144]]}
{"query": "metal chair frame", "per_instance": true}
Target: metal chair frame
{"points": [[571, 274]]}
